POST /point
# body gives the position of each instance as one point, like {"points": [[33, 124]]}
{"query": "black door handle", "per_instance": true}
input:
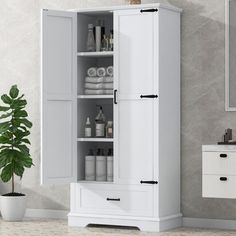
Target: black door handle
{"points": [[223, 178], [148, 182], [149, 96], [113, 199], [149, 10], [223, 155], [115, 98]]}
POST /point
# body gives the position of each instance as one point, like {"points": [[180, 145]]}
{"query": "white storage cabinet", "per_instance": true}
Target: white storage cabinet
{"points": [[219, 171], [145, 109]]}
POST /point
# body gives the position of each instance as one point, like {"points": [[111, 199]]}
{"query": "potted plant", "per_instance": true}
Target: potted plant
{"points": [[14, 151]]}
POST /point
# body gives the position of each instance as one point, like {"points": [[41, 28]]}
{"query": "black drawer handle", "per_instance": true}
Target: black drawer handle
{"points": [[223, 178], [149, 10], [115, 98], [223, 155], [148, 96], [113, 199], [148, 182]]}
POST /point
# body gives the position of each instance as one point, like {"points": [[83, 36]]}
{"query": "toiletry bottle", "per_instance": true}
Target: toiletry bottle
{"points": [[90, 166], [98, 37], [105, 45], [101, 166], [111, 41], [88, 128], [90, 39], [109, 129], [110, 165], [100, 123]]}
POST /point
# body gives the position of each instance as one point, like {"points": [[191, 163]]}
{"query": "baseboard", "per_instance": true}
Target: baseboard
{"points": [[143, 223], [46, 213], [209, 223]]}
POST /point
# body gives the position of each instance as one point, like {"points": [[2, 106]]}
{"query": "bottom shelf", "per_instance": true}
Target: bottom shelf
{"points": [[94, 182]]}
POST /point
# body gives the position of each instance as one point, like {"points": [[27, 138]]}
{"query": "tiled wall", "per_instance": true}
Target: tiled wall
{"points": [[203, 115]]}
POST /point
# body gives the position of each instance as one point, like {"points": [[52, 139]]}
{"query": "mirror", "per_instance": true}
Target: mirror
{"points": [[230, 55]]}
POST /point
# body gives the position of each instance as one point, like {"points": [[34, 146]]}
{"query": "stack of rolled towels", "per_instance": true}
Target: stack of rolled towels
{"points": [[99, 81]]}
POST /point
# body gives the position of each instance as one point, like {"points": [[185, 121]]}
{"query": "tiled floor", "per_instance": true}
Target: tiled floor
{"points": [[59, 228]]}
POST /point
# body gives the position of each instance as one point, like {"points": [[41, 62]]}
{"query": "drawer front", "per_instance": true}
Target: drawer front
{"points": [[218, 186], [135, 201], [219, 163]]}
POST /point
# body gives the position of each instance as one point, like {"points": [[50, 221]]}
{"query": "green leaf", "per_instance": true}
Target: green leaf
{"points": [[24, 149], [26, 122], [4, 140], [25, 141], [7, 134], [4, 108], [20, 113], [6, 99], [5, 115], [4, 126], [19, 134], [7, 172], [26, 161], [18, 104], [14, 91], [19, 170]]}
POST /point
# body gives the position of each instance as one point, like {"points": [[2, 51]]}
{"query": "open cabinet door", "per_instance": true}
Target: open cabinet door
{"points": [[58, 127]]}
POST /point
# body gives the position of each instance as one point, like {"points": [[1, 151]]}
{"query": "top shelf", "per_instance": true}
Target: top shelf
{"points": [[95, 54]]}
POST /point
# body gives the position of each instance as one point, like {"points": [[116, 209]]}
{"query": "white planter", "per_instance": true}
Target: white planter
{"points": [[12, 207]]}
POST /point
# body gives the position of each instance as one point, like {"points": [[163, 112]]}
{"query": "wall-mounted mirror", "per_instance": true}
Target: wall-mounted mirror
{"points": [[230, 55]]}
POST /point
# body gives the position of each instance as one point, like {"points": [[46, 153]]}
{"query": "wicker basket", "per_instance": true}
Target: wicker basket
{"points": [[135, 1]]}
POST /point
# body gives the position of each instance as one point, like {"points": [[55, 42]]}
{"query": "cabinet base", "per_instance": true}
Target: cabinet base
{"points": [[144, 224]]}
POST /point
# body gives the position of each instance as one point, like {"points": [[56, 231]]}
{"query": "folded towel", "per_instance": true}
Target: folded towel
{"points": [[108, 85], [108, 79], [108, 91], [98, 79], [94, 91], [110, 70], [92, 71], [93, 86], [101, 72]]}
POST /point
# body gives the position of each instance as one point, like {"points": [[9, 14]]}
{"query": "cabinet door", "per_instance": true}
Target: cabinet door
{"points": [[136, 118], [58, 162]]}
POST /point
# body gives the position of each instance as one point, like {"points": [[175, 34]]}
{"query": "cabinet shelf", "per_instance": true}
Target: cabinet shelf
{"points": [[95, 54], [95, 139], [94, 182], [95, 96]]}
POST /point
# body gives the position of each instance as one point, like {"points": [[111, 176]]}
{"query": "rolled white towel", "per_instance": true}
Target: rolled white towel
{"points": [[108, 91], [92, 71], [108, 85], [94, 91], [101, 72], [93, 86], [110, 70], [93, 80]]}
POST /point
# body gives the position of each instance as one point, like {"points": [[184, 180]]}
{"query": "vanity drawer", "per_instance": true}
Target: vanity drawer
{"points": [[219, 163], [137, 201], [219, 186]]}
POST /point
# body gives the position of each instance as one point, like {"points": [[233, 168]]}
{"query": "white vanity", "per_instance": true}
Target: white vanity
{"points": [[219, 171]]}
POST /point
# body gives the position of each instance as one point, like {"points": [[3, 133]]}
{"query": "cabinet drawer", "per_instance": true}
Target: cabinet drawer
{"points": [[219, 163], [136, 201], [219, 186]]}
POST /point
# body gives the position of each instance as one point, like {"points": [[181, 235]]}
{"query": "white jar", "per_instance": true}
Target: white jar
{"points": [[109, 168], [90, 168], [101, 168]]}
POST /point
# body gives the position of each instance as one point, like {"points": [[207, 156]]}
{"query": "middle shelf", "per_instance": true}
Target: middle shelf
{"points": [[95, 139]]}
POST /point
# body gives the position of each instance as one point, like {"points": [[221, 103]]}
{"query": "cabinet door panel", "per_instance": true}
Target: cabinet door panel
{"points": [[136, 119], [58, 97], [135, 42], [135, 148]]}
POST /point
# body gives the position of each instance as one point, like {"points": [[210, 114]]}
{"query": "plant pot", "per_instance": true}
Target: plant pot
{"points": [[13, 207]]}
